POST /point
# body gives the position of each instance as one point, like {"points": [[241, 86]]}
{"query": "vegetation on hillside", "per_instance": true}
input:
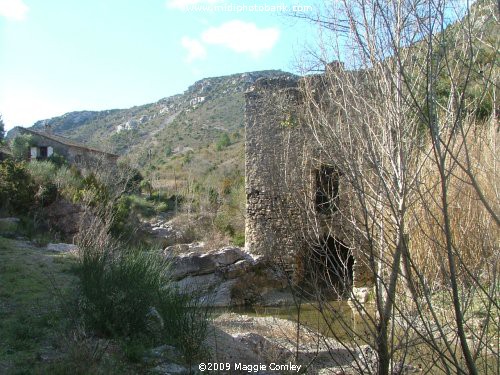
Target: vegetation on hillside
{"points": [[122, 295], [419, 170]]}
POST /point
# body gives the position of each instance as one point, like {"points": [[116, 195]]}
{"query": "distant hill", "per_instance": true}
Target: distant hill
{"points": [[208, 107], [193, 138]]}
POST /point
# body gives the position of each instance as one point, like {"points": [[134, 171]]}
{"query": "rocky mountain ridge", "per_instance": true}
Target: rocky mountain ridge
{"points": [[122, 130]]}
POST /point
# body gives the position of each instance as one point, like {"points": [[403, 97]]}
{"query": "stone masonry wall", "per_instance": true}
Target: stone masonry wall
{"points": [[270, 105], [280, 163]]}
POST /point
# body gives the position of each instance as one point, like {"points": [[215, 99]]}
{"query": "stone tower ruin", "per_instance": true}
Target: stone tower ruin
{"points": [[291, 193]]}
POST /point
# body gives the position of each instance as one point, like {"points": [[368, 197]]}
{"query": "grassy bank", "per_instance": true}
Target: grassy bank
{"points": [[61, 313], [32, 318]]}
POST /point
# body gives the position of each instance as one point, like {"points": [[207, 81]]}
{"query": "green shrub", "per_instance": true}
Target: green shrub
{"points": [[68, 181], [133, 184], [222, 142], [187, 158], [119, 289], [17, 190], [128, 209], [42, 172], [223, 224], [146, 187], [121, 215], [20, 147], [46, 194], [162, 207], [142, 207], [57, 159], [168, 151], [134, 350], [92, 192], [239, 239], [127, 293]]}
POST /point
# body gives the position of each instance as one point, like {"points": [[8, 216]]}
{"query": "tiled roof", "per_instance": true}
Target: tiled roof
{"points": [[64, 141]]}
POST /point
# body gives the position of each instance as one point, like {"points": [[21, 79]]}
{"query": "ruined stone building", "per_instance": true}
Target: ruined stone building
{"points": [[292, 194]]}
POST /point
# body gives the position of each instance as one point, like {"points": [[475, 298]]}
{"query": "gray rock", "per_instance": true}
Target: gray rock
{"points": [[277, 298], [163, 231], [193, 264], [227, 277], [154, 321], [65, 216], [62, 247], [201, 284], [10, 220], [221, 296], [237, 269], [165, 351], [162, 354], [170, 369], [170, 251], [260, 345], [229, 255]]}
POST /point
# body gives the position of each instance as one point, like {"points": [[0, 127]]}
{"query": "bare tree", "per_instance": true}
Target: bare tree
{"points": [[409, 127]]}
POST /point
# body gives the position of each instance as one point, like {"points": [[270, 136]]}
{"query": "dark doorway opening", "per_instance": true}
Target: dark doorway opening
{"points": [[329, 268], [43, 152], [327, 189]]}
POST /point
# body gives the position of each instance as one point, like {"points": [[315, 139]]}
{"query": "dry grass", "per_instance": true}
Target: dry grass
{"points": [[474, 232]]}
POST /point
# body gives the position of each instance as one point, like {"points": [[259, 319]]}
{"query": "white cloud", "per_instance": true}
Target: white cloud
{"points": [[196, 50], [242, 37], [184, 4], [13, 9]]}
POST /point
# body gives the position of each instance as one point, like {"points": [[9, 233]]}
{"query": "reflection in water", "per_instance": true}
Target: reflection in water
{"points": [[333, 318]]}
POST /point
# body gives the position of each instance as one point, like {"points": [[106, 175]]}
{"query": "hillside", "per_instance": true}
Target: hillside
{"points": [[174, 140], [208, 107]]}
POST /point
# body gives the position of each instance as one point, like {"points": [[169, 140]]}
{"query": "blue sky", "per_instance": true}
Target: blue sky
{"points": [[58, 56]]}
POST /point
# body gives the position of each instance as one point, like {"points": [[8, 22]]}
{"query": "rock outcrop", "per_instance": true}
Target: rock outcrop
{"points": [[163, 232], [229, 276]]}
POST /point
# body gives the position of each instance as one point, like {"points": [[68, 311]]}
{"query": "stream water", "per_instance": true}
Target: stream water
{"points": [[333, 318]]}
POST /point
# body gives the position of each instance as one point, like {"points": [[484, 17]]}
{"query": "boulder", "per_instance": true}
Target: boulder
{"points": [[229, 276], [62, 247], [184, 248], [199, 284], [194, 264], [236, 269], [229, 255], [221, 296], [154, 321], [162, 231]]}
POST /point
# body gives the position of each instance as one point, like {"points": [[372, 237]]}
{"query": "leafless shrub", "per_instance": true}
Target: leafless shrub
{"points": [[417, 204]]}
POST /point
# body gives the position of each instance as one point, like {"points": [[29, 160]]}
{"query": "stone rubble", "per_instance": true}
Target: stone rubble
{"points": [[163, 231]]}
